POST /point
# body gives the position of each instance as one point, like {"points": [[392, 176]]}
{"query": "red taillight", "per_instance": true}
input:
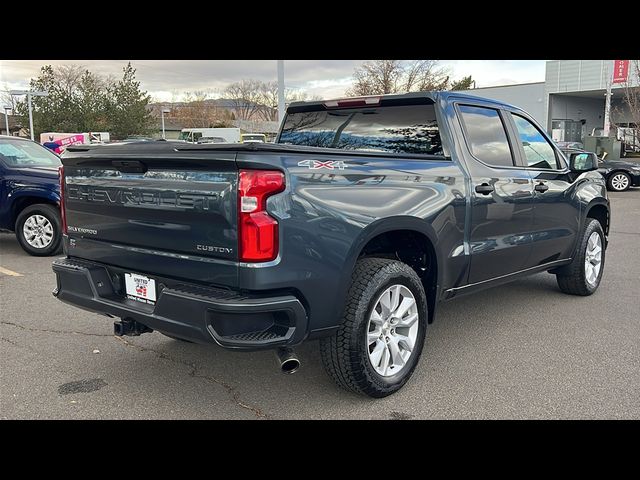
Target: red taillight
{"points": [[63, 213], [257, 230]]}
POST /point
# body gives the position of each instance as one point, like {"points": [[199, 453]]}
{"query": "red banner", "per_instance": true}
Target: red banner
{"points": [[620, 71]]}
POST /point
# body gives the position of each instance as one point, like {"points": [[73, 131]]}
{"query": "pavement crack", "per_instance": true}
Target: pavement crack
{"points": [[9, 341], [47, 330], [193, 372]]}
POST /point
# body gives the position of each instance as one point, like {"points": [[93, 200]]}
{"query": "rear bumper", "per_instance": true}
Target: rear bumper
{"points": [[193, 312]]}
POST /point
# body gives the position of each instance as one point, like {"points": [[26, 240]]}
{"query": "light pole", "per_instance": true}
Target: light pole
{"points": [[6, 118], [162, 112], [29, 94], [281, 108]]}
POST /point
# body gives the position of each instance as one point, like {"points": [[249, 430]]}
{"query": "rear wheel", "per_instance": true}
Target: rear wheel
{"points": [[583, 275], [619, 182], [379, 342], [39, 230]]}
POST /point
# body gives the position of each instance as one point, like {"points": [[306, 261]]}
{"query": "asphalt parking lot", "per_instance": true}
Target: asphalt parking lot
{"points": [[524, 350]]}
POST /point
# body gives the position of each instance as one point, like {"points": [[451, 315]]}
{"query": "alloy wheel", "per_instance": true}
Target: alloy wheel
{"points": [[593, 259], [392, 330], [38, 231], [620, 181]]}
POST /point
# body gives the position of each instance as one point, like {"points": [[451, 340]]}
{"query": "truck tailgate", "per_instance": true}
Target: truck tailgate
{"points": [[154, 212]]}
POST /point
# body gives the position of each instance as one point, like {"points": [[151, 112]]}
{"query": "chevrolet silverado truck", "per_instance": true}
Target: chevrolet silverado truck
{"points": [[351, 228], [30, 195]]}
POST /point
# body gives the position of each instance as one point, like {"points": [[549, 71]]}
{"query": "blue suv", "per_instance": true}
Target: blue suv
{"points": [[30, 195]]}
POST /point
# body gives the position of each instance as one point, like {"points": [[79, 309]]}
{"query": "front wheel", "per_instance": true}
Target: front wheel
{"points": [[378, 345], [583, 275], [39, 230]]}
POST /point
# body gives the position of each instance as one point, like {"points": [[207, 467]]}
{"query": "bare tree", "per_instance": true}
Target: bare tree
{"points": [[630, 108], [246, 96], [269, 100], [379, 77], [632, 98], [257, 100], [424, 75], [6, 99], [69, 77], [197, 110], [376, 78]]}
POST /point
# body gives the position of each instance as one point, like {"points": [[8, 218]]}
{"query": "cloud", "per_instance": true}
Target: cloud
{"points": [[164, 79], [490, 73]]}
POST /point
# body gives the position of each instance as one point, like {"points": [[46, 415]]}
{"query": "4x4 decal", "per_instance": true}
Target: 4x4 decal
{"points": [[317, 164]]}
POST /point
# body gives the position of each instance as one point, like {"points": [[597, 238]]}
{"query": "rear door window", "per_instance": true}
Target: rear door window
{"points": [[486, 135], [395, 129]]}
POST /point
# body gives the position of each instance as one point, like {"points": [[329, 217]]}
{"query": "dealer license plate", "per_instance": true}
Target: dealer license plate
{"points": [[140, 288]]}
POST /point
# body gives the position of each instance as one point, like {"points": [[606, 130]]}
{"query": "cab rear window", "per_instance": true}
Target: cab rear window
{"points": [[395, 129]]}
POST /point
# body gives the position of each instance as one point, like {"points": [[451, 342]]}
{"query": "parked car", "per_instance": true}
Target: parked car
{"points": [[363, 215], [136, 139], [30, 195], [570, 145], [619, 174], [253, 138]]}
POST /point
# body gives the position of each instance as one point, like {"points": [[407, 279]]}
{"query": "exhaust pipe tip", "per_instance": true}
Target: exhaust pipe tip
{"points": [[289, 362], [290, 366]]}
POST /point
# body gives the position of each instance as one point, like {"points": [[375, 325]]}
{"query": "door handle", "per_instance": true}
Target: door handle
{"points": [[541, 187], [484, 189]]}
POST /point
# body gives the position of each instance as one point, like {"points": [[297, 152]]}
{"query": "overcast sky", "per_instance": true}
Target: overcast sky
{"points": [[169, 79]]}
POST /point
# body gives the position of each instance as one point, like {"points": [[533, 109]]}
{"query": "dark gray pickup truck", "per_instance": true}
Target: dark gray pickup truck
{"points": [[363, 215]]}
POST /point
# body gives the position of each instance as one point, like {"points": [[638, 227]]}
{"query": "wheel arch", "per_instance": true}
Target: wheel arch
{"points": [[599, 210], [27, 199], [387, 233]]}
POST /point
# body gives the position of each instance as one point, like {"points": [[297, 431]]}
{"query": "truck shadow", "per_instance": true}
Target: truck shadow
{"points": [[464, 326]]}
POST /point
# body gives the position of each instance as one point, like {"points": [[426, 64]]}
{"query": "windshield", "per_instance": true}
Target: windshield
{"points": [[23, 153], [397, 129]]}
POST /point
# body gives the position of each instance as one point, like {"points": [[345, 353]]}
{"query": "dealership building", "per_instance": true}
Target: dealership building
{"points": [[570, 103]]}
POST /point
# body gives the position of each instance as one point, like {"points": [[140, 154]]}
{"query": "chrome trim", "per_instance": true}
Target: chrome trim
{"points": [[272, 263], [173, 255]]}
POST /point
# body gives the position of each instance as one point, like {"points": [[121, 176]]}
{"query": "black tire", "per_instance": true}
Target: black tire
{"points": [[572, 278], [610, 184], [345, 355], [52, 214]]}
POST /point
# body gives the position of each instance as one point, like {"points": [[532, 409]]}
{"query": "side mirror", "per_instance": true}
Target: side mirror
{"points": [[583, 162]]}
